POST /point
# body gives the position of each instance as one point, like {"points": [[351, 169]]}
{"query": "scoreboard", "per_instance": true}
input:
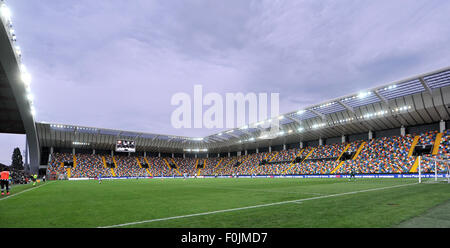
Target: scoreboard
{"points": [[125, 146]]}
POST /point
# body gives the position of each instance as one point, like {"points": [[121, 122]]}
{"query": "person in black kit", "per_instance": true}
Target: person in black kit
{"points": [[352, 174]]}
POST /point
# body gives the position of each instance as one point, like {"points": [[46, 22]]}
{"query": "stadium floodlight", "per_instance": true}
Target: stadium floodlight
{"points": [[300, 112], [80, 143], [24, 75], [280, 117], [244, 127], [290, 131], [18, 51], [300, 129], [281, 133], [390, 87], [315, 126], [401, 108], [30, 97], [5, 12], [33, 111], [364, 94]]}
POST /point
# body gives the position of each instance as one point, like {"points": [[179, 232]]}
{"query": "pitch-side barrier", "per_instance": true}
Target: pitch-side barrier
{"points": [[430, 175]]}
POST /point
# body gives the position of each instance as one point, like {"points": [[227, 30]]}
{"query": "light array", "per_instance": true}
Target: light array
{"points": [[195, 150], [80, 143], [344, 121], [324, 105], [5, 16], [87, 128], [61, 126], [364, 94], [319, 125], [370, 115], [401, 109], [390, 87]]}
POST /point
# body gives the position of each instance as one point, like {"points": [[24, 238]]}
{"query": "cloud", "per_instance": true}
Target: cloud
{"points": [[116, 64]]}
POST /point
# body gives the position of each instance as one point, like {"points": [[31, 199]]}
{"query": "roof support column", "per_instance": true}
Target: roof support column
{"points": [[370, 135], [441, 126], [343, 139], [402, 131]]}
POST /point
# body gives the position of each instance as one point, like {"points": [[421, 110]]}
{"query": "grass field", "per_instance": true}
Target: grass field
{"points": [[226, 203]]}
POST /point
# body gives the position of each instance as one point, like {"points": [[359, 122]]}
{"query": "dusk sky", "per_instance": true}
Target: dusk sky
{"points": [[116, 64]]}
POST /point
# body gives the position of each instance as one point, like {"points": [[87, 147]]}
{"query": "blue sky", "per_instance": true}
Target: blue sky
{"points": [[86, 55]]}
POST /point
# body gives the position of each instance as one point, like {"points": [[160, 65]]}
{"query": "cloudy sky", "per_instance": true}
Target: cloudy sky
{"points": [[116, 64]]}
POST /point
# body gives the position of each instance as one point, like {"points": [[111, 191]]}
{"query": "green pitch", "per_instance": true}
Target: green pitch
{"points": [[225, 203]]}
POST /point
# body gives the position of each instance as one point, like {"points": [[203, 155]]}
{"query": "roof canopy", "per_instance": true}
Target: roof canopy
{"points": [[417, 100]]}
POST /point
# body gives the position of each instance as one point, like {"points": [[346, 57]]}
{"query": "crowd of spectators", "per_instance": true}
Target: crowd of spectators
{"points": [[88, 165], [380, 155], [442, 153], [128, 166]]}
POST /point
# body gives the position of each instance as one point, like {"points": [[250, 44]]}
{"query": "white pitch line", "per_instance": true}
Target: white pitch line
{"points": [[7, 197], [255, 206], [258, 190]]}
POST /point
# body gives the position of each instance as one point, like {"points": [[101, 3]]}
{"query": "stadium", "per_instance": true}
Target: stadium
{"points": [[394, 138]]}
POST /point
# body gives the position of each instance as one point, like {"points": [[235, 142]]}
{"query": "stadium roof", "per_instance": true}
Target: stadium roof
{"points": [[413, 101], [16, 102]]}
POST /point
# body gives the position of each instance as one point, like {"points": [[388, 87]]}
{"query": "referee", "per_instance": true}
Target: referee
{"points": [[4, 181]]}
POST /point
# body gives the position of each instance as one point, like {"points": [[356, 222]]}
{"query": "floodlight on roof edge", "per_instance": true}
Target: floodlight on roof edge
{"points": [[5, 15]]}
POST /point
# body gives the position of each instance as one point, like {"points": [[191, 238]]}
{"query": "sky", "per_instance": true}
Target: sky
{"points": [[116, 64]]}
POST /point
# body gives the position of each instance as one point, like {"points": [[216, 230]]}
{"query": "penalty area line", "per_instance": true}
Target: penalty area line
{"points": [[255, 206]]}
